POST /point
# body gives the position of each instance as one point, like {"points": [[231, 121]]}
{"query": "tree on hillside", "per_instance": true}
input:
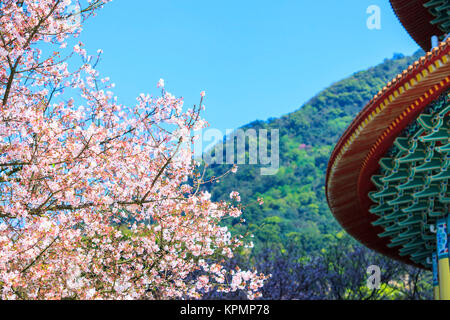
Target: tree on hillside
{"points": [[338, 272], [98, 199]]}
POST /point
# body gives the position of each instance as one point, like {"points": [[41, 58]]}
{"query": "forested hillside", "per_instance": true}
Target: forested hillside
{"points": [[295, 211]]}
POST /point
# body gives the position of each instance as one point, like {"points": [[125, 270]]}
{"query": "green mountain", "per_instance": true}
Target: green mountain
{"points": [[295, 211]]}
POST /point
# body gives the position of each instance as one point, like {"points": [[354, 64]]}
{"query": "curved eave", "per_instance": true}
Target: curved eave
{"points": [[415, 18], [356, 155]]}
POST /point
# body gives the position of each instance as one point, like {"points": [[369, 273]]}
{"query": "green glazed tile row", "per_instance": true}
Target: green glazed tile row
{"points": [[412, 185], [440, 9]]}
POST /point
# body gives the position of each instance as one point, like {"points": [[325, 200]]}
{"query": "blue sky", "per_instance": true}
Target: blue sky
{"points": [[254, 59]]}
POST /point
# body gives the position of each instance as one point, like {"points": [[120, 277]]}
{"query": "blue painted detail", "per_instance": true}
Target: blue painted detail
{"points": [[442, 240], [435, 270]]}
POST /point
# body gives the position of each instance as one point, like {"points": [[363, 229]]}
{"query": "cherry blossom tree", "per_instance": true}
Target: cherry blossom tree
{"points": [[99, 200]]}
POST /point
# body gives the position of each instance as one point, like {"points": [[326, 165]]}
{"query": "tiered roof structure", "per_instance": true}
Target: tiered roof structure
{"points": [[387, 179], [424, 19]]}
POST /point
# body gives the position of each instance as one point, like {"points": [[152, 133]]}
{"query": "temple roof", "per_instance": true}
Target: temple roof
{"points": [[423, 19], [356, 156]]}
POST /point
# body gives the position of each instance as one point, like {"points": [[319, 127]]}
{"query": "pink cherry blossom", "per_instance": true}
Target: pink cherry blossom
{"points": [[98, 200], [234, 195]]}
